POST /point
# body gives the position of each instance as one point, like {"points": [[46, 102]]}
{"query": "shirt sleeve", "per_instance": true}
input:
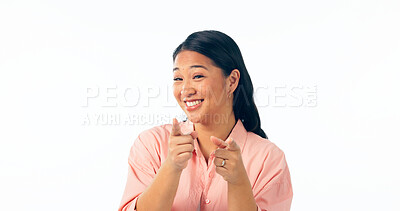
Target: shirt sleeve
{"points": [[143, 164], [273, 188]]}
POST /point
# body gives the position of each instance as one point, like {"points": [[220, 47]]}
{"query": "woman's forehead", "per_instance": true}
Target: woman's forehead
{"points": [[191, 59]]}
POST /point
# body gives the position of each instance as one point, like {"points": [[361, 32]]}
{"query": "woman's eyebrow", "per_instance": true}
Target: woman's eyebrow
{"points": [[193, 66], [198, 66]]}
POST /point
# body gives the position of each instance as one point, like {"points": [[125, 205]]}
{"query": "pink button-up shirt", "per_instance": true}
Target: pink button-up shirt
{"points": [[200, 186]]}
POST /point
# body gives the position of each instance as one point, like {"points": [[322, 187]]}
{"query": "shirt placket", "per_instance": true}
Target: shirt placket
{"points": [[208, 177], [207, 172]]}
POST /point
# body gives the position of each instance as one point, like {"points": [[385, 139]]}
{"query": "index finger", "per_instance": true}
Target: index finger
{"points": [[218, 142], [176, 129]]}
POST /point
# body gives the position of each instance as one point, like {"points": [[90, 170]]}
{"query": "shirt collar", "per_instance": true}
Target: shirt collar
{"points": [[238, 133]]}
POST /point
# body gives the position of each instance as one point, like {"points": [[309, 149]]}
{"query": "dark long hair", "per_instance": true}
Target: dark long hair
{"points": [[225, 54]]}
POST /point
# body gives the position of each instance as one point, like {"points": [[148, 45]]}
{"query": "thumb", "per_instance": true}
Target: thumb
{"points": [[220, 143], [232, 145], [176, 129]]}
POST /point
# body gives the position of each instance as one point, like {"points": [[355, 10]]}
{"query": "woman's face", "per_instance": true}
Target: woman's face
{"points": [[201, 88]]}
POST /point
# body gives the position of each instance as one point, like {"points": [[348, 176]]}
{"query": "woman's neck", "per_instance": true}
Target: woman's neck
{"points": [[220, 129]]}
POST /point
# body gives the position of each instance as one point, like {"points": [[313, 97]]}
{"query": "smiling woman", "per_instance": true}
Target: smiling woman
{"points": [[220, 159]]}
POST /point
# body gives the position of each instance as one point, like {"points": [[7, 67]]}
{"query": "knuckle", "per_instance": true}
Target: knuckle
{"points": [[218, 152]]}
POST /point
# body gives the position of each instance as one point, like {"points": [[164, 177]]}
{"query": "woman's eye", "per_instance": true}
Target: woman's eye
{"points": [[198, 76], [177, 79]]}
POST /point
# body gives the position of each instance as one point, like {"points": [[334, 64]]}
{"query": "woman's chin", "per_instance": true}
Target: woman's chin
{"points": [[194, 119]]}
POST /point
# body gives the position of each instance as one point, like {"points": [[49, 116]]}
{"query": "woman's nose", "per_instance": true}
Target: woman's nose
{"points": [[187, 91]]}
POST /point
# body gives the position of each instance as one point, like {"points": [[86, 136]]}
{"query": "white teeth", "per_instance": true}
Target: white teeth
{"points": [[193, 103]]}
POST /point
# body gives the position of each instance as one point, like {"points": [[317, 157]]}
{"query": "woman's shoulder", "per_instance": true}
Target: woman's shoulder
{"points": [[259, 141], [155, 133], [264, 146], [264, 153]]}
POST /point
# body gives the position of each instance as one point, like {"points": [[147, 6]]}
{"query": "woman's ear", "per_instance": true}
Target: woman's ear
{"points": [[233, 81]]}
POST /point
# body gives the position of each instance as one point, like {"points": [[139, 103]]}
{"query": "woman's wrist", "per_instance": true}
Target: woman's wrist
{"points": [[171, 168], [242, 181], [161, 193], [240, 196]]}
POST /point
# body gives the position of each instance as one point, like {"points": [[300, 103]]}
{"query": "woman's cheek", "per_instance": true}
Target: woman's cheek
{"points": [[176, 92], [202, 89]]}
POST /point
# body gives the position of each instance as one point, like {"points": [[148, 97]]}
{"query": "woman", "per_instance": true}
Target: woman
{"points": [[220, 159]]}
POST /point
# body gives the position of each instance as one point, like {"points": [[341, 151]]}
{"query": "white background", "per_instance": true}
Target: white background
{"points": [[342, 152]]}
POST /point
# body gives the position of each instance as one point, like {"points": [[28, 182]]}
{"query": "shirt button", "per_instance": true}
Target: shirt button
{"points": [[207, 201]]}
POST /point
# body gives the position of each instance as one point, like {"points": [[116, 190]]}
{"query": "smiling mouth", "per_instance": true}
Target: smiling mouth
{"points": [[193, 104]]}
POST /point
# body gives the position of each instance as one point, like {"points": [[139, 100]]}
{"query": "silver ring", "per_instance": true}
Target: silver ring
{"points": [[223, 163]]}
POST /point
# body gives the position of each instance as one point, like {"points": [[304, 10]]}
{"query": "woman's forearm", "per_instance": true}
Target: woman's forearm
{"points": [[240, 197], [161, 193]]}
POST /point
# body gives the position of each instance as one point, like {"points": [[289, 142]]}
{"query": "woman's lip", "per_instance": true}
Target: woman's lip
{"points": [[191, 108], [192, 100]]}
